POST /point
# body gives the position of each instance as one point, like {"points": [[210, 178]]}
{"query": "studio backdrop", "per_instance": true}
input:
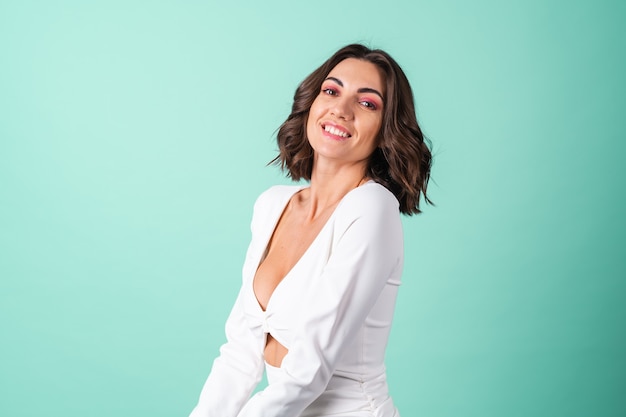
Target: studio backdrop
{"points": [[136, 135]]}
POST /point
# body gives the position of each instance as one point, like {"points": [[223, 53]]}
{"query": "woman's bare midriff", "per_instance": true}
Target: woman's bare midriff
{"points": [[274, 352]]}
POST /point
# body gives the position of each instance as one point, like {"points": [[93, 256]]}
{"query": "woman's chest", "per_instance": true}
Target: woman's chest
{"points": [[292, 297]]}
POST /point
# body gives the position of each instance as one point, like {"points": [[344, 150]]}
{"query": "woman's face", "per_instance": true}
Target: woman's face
{"points": [[345, 118]]}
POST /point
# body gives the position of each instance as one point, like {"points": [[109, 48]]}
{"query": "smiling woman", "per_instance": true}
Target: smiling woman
{"points": [[323, 268], [401, 160]]}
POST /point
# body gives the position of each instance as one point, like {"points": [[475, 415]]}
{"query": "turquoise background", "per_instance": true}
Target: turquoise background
{"points": [[134, 137]]}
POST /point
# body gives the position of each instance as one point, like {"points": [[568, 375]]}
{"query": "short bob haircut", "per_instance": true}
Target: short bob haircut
{"points": [[402, 160]]}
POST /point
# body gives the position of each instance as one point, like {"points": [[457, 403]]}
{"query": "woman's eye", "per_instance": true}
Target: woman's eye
{"points": [[368, 104], [329, 91]]}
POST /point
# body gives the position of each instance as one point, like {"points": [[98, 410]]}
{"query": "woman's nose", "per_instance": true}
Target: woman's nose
{"points": [[341, 108]]}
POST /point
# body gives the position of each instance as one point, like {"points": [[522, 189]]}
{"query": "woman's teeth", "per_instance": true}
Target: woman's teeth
{"points": [[336, 132]]}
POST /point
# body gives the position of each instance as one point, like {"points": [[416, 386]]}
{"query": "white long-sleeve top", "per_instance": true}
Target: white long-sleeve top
{"points": [[332, 311]]}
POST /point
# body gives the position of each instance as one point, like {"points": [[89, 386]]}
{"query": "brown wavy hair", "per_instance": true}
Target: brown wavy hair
{"points": [[402, 160]]}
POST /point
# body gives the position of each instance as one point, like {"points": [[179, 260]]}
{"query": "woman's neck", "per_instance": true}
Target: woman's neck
{"points": [[328, 187]]}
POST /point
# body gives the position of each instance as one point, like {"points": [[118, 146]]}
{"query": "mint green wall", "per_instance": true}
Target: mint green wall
{"points": [[133, 142]]}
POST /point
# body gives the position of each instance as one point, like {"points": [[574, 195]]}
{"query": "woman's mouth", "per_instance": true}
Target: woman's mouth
{"points": [[335, 132]]}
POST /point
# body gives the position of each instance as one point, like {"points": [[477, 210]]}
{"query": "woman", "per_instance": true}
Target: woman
{"points": [[323, 267]]}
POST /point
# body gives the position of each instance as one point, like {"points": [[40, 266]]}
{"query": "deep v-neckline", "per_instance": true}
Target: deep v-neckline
{"points": [[268, 239]]}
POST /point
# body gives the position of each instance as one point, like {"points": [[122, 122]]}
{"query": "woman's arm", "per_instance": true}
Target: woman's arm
{"points": [[239, 368], [235, 372]]}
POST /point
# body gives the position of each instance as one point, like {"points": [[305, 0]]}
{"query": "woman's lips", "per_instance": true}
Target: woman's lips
{"points": [[335, 131]]}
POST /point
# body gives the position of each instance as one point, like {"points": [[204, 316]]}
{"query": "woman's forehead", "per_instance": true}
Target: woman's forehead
{"points": [[358, 73]]}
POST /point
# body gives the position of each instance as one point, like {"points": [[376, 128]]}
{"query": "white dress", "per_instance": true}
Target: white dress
{"points": [[332, 311]]}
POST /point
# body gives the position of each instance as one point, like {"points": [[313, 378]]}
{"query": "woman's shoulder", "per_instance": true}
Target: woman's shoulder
{"points": [[371, 202], [275, 196], [371, 196], [279, 191], [372, 213]]}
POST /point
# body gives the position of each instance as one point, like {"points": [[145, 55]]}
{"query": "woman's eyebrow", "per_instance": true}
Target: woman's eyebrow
{"points": [[360, 90], [371, 90], [337, 80]]}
